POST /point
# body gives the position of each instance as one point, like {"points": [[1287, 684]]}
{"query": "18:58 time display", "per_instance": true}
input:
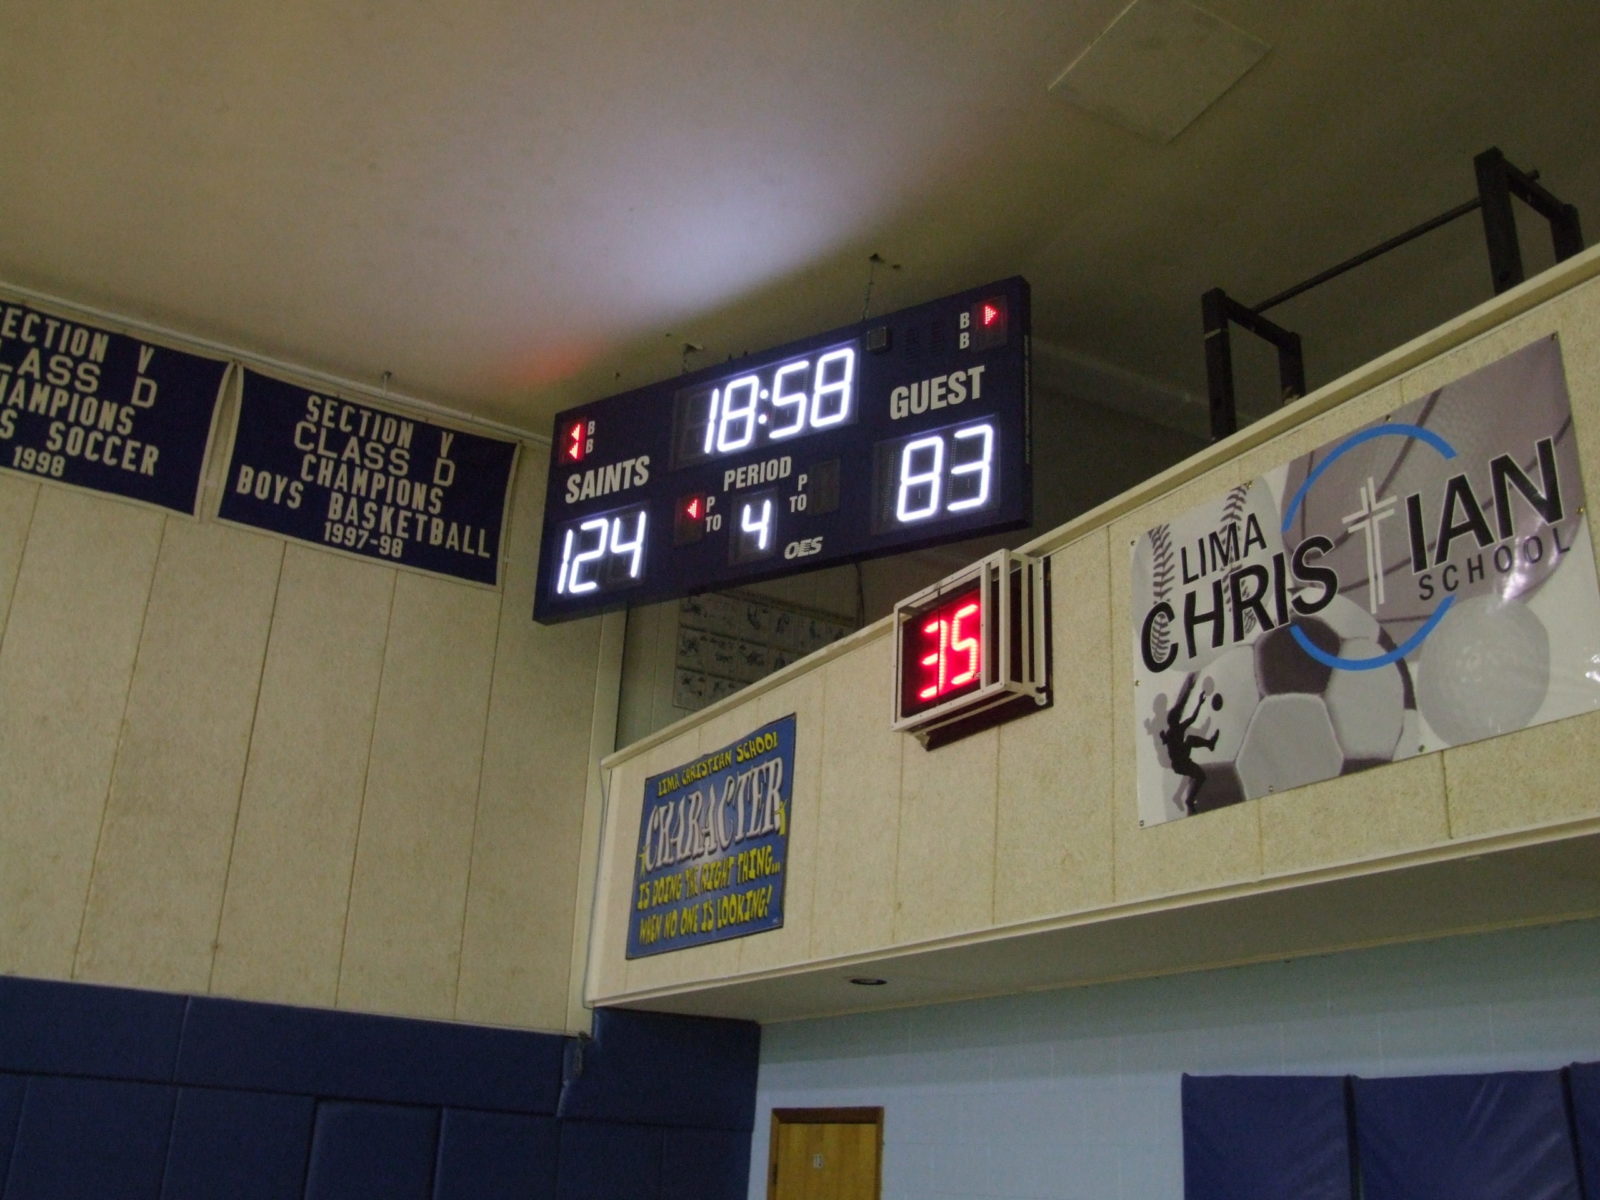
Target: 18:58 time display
{"points": [[771, 404]]}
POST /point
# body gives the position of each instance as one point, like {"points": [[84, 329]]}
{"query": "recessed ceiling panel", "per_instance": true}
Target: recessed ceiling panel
{"points": [[1158, 67]]}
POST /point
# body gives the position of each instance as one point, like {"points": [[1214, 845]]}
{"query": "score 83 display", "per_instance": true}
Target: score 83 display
{"points": [[895, 433]]}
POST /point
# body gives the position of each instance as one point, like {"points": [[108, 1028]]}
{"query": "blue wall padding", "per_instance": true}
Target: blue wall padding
{"points": [[496, 1156], [372, 1152], [275, 1048], [696, 1163], [239, 1145], [1584, 1079], [90, 1139], [656, 1069], [1466, 1137], [600, 1161], [81, 1029], [1265, 1137], [10, 1112], [113, 1094]]}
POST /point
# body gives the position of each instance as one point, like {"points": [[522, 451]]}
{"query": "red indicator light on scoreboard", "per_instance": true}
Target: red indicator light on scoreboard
{"points": [[577, 443], [690, 520], [983, 326]]}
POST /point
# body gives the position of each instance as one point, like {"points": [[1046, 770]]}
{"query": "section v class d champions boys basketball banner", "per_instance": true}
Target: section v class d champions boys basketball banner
{"points": [[1424, 581]]}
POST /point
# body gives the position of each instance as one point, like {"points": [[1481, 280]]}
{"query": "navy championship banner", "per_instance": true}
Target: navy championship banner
{"points": [[104, 410], [350, 477], [713, 845], [1422, 582]]}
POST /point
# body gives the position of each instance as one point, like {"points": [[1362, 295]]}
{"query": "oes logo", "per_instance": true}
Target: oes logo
{"points": [[803, 548]]}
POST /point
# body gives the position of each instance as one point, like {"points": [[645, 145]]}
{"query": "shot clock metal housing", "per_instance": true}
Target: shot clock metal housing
{"points": [[901, 431], [973, 649]]}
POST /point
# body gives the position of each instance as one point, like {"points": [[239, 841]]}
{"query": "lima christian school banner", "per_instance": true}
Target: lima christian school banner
{"points": [[714, 845], [1424, 581]]}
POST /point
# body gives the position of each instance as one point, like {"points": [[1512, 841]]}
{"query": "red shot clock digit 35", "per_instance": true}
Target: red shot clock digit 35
{"points": [[895, 433], [973, 649]]}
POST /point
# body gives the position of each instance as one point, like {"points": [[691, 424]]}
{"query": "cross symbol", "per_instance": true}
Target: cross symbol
{"points": [[1365, 520]]}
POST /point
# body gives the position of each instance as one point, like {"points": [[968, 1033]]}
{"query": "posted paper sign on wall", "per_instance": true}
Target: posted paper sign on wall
{"points": [[104, 410], [364, 480], [1424, 581], [713, 845]]}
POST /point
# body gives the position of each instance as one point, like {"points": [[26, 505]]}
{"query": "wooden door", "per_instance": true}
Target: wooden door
{"points": [[825, 1154]]}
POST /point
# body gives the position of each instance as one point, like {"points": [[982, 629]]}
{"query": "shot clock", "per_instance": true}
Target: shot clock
{"points": [[898, 432], [971, 644]]}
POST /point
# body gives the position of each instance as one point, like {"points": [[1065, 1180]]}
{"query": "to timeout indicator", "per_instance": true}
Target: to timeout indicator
{"points": [[691, 519]]}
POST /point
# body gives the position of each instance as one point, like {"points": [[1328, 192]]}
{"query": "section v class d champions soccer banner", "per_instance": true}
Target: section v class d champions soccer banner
{"points": [[714, 845], [1424, 581]]}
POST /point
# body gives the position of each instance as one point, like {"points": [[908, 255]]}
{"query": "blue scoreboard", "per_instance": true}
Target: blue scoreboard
{"points": [[895, 433]]}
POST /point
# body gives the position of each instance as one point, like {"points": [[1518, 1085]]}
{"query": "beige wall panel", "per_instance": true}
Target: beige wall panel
{"points": [[17, 499], [802, 696], [1554, 768], [1577, 320], [945, 868], [156, 894], [1372, 813], [517, 944], [402, 947], [283, 913], [65, 664], [1053, 836], [648, 665], [859, 780], [626, 804]]}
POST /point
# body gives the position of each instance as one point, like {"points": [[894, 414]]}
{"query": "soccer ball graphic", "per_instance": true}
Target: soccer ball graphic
{"points": [[1265, 716]]}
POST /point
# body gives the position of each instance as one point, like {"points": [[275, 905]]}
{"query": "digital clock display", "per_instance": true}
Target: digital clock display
{"points": [[944, 652], [764, 407], [898, 432]]}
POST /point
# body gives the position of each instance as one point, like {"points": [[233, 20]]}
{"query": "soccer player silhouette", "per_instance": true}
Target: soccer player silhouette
{"points": [[1181, 744]]}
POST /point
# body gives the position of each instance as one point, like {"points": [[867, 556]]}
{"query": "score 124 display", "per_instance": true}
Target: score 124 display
{"points": [[898, 432]]}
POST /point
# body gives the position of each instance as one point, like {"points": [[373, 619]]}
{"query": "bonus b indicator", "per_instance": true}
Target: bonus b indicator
{"points": [[984, 324], [578, 441]]}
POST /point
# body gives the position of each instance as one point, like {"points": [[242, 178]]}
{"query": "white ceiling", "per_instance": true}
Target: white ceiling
{"points": [[511, 206]]}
